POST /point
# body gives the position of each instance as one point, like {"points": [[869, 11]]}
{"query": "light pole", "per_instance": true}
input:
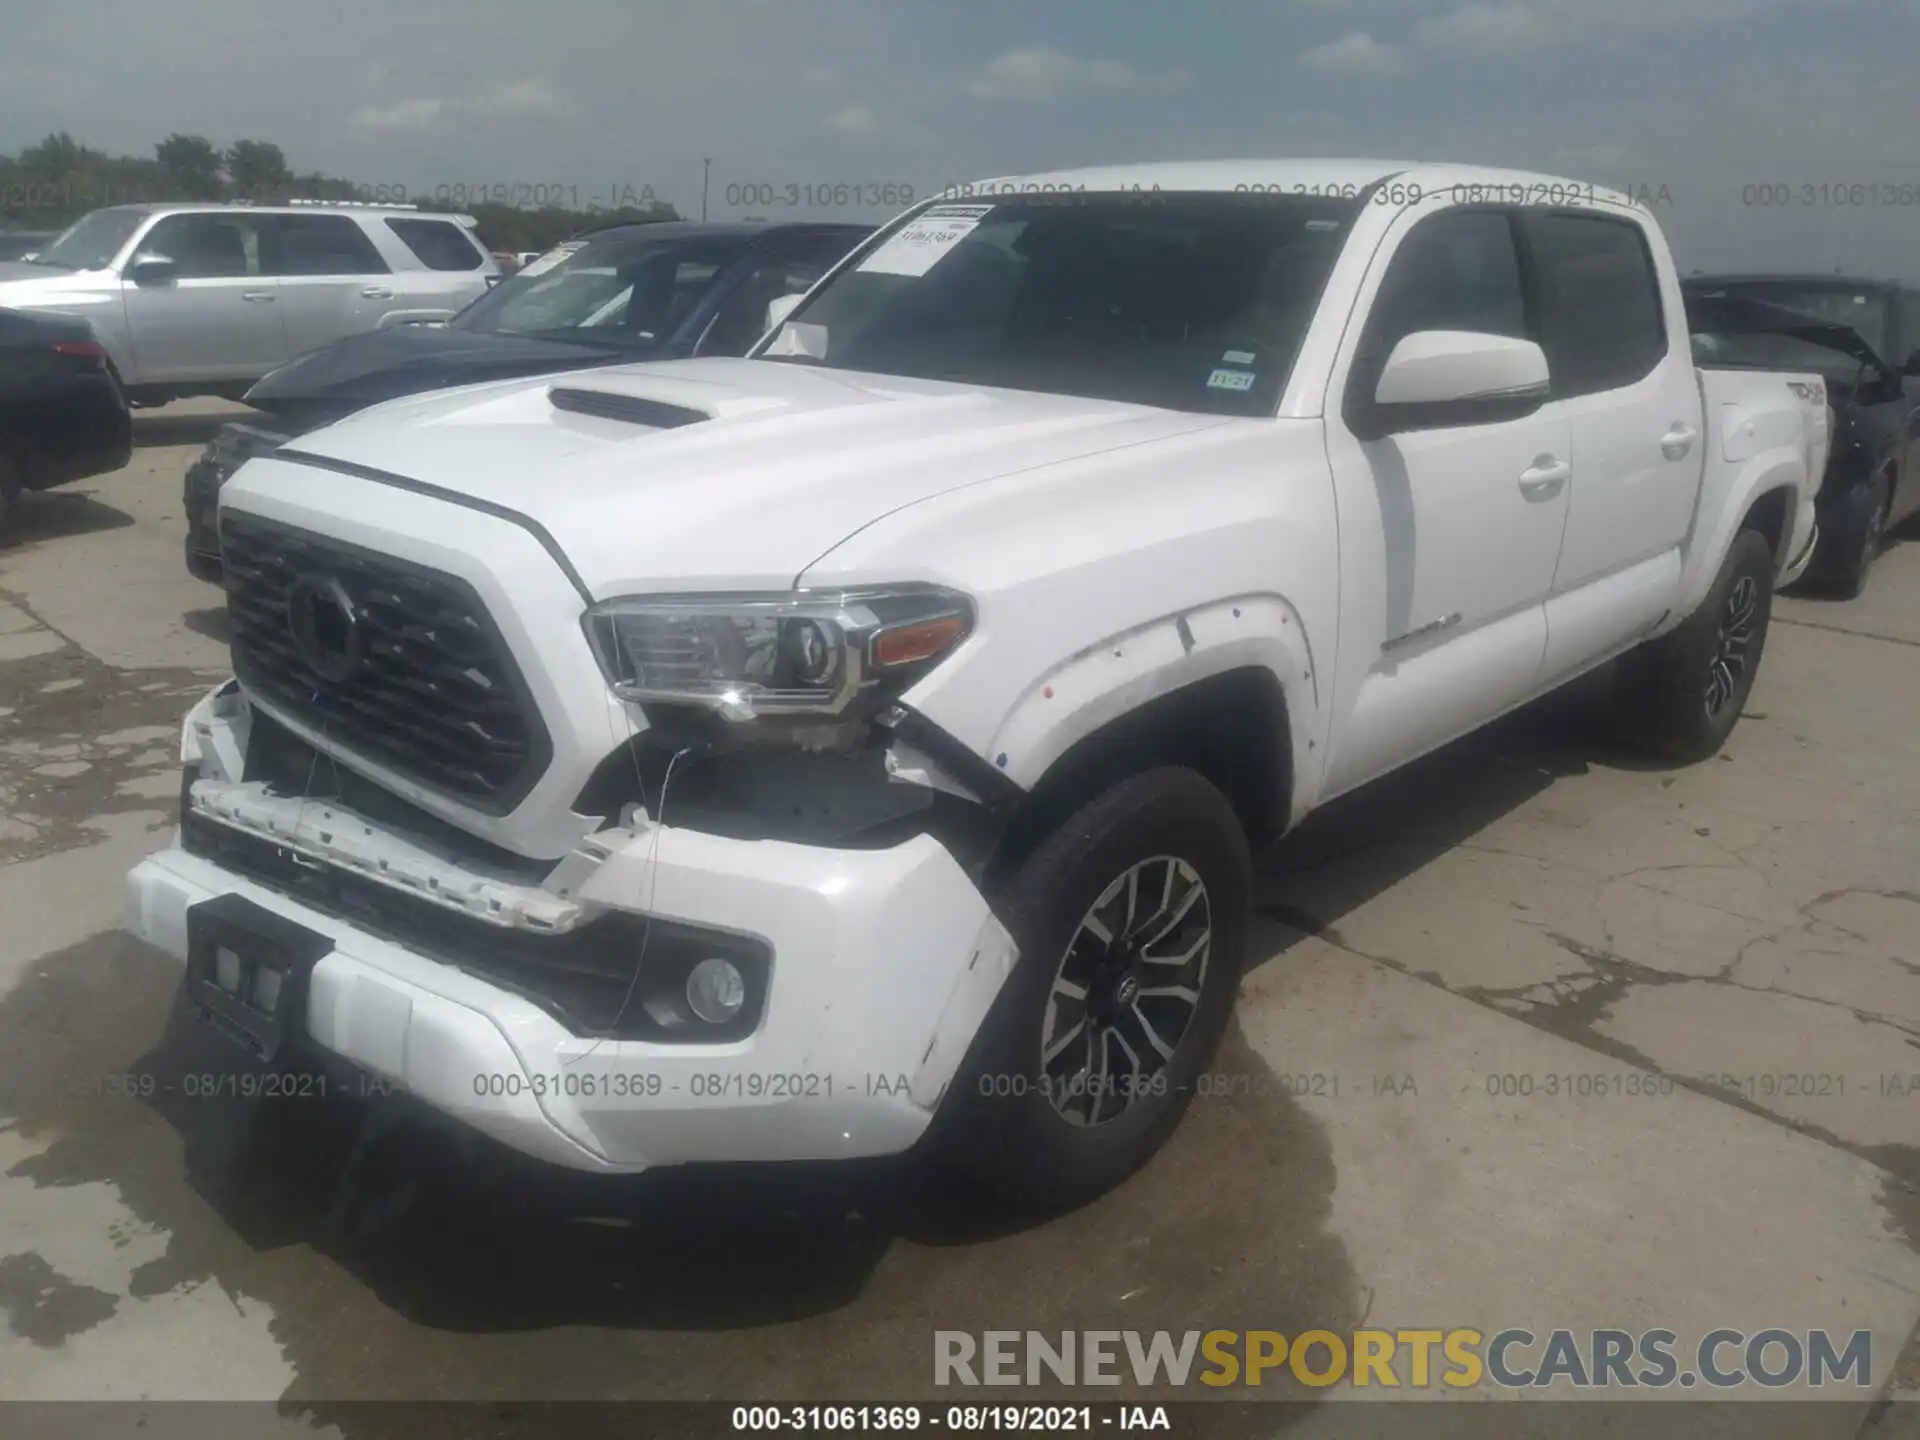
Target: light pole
{"points": [[706, 169]]}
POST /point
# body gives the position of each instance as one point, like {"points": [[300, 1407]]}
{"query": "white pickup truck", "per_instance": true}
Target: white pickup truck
{"points": [[856, 748]]}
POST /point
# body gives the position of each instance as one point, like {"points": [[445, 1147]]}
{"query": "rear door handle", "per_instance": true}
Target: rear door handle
{"points": [[1545, 478], [376, 292], [1678, 440], [256, 296]]}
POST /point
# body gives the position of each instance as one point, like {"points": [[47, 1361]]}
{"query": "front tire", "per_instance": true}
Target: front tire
{"points": [[1684, 692], [1130, 919]]}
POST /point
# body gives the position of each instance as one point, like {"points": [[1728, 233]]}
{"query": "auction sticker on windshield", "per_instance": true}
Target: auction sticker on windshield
{"points": [[919, 244]]}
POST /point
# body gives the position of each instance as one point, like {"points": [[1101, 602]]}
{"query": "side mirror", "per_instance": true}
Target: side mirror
{"points": [[778, 311], [147, 268], [1912, 367], [1437, 378]]}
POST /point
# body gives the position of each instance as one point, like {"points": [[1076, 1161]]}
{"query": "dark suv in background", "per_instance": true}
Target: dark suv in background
{"points": [[614, 296]]}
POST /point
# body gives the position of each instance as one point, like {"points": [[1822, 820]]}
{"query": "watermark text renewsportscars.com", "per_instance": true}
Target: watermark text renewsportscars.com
{"points": [[1459, 1358]]}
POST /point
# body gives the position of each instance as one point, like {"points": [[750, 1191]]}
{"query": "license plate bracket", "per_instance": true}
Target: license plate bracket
{"points": [[248, 972]]}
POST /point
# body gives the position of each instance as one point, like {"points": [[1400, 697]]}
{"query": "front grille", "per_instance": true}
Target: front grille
{"points": [[435, 695]]}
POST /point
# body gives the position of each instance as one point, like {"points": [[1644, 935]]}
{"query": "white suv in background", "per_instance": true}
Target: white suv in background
{"points": [[206, 298]]}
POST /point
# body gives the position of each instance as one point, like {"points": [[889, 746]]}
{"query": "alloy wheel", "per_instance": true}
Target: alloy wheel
{"points": [[1126, 991], [1732, 645]]}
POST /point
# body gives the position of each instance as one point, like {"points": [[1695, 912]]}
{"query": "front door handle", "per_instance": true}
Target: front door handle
{"points": [[1678, 440], [256, 296], [1545, 478], [376, 292]]}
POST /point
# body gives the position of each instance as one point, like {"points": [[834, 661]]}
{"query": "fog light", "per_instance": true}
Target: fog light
{"points": [[716, 990]]}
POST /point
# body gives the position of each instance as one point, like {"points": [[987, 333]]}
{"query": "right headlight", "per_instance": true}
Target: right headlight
{"points": [[797, 653]]}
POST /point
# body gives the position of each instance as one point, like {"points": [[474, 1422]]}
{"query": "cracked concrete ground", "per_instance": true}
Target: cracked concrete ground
{"points": [[1539, 1036]]}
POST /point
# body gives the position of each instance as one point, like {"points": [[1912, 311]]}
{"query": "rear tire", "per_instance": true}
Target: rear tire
{"points": [[1849, 545], [1682, 694], [1087, 1060]]}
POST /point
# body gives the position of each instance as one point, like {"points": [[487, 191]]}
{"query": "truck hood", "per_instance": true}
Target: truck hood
{"points": [[722, 473]]}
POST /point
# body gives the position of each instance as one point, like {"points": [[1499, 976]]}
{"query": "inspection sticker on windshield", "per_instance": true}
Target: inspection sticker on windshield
{"points": [[1230, 380], [552, 258], [920, 244]]}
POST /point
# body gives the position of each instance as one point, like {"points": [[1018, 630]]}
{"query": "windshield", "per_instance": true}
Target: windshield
{"points": [[92, 241], [1862, 309], [1186, 301], [617, 290]]}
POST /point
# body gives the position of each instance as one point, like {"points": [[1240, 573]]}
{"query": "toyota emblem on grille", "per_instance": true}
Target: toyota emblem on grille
{"points": [[325, 624]]}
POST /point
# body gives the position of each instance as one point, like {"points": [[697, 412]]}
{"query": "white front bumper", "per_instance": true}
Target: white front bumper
{"points": [[884, 964]]}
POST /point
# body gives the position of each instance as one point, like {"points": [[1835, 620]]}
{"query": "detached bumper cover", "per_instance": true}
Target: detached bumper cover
{"points": [[884, 963]]}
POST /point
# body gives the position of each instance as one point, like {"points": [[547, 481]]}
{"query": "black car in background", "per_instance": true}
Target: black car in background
{"points": [[614, 296], [62, 414], [1863, 337]]}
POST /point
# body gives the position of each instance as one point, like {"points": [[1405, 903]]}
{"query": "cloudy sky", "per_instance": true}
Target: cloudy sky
{"points": [[1695, 101]]}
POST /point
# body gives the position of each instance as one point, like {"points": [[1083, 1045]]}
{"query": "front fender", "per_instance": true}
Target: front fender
{"points": [[1102, 683]]}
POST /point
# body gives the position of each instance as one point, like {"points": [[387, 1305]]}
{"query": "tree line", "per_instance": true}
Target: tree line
{"points": [[50, 185]]}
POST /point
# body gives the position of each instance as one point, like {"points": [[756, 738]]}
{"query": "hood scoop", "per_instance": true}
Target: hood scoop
{"points": [[633, 409]]}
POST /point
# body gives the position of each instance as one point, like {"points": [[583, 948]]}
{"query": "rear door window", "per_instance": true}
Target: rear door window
{"points": [[324, 245], [437, 244]]}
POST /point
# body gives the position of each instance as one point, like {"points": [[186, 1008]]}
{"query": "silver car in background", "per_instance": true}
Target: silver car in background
{"points": [[205, 298]]}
